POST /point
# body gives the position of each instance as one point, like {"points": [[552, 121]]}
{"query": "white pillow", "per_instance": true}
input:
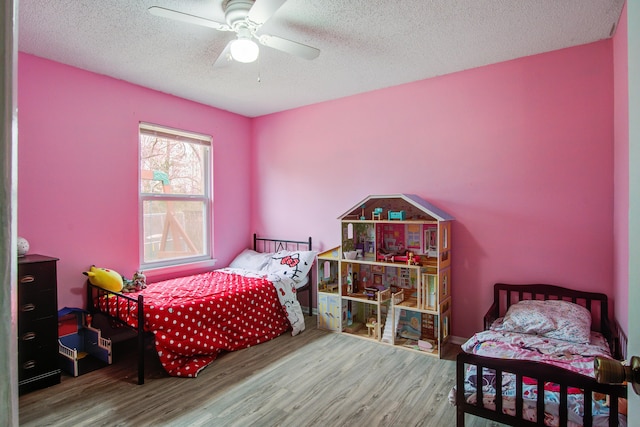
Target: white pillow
{"points": [[292, 264], [251, 260]]}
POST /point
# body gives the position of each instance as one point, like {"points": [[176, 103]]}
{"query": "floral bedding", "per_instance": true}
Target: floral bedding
{"points": [[196, 317], [511, 345]]}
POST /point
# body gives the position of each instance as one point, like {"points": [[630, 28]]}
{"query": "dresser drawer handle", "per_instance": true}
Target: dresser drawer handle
{"points": [[29, 364], [28, 336], [28, 307], [27, 279]]}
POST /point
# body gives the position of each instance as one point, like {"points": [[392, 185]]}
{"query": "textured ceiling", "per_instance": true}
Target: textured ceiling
{"points": [[365, 44]]}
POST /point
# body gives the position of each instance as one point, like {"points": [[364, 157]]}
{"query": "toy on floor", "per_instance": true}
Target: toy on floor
{"points": [[81, 347]]}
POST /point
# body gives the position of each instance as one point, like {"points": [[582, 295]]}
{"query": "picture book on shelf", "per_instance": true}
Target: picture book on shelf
{"points": [[428, 330]]}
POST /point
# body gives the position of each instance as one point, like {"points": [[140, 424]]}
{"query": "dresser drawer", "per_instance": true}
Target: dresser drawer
{"points": [[40, 334], [35, 278], [38, 348], [39, 364], [37, 307]]}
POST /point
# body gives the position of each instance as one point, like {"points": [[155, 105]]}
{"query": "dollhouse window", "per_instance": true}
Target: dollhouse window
{"points": [[175, 196], [327, 270], [413, 238], [445, 238]]}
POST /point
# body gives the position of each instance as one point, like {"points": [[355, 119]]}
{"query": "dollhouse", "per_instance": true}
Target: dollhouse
{"points": [[397, 287]]}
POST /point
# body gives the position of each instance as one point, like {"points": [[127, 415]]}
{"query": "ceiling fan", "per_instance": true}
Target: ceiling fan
{"points": [[244, 17]]}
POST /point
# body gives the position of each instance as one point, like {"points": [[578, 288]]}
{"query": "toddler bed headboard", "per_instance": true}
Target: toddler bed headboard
{"points": [[506, 295], [261, 244]]}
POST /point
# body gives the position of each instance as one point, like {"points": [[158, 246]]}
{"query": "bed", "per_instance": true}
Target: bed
{"points": [[194, 318], [540, 340]]}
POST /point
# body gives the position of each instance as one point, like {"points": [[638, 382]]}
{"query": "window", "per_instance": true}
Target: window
{"points": [[175, 196]]}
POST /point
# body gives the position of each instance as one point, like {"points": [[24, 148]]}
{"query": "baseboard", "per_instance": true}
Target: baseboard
{"points": [[457, 340]]}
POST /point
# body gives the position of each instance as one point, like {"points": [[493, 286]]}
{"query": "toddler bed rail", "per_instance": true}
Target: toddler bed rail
{"points": [[542, 374]]}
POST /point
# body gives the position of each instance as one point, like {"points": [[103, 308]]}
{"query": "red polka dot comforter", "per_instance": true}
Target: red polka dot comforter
{"points": [[196, 317]]}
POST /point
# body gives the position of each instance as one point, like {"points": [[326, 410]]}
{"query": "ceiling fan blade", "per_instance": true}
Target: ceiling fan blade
{"points": [[224, 59], [185, 17], [262, 10], [288, 46]]}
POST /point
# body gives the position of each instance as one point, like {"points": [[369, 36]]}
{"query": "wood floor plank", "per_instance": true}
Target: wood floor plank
{"points": [[314, 379]]}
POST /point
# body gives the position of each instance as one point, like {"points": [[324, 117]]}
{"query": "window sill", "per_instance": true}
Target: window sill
{"points": [[163, 273]]}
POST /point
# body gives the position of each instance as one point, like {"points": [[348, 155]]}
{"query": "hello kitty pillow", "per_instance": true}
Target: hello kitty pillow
{"points": [[292, 264]]}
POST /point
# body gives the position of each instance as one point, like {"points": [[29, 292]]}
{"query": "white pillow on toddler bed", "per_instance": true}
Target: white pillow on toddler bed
{"points": [[557, 319], [251, 260], [292, 264]]}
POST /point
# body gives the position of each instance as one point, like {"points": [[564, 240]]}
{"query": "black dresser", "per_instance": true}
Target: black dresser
{"points": [[37, 323]]}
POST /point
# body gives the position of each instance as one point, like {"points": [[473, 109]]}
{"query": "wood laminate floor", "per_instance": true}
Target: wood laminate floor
{"points": [[314, 379]]}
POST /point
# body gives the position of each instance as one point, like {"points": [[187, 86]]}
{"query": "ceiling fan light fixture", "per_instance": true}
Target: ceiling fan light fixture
{"points": [[244, 50]]}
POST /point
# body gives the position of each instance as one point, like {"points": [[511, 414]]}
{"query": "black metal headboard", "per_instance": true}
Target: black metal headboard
{"points": [[262, 244]]}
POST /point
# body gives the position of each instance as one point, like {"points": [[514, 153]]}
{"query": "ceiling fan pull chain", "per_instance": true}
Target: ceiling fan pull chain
{"points": [[259, 70]]}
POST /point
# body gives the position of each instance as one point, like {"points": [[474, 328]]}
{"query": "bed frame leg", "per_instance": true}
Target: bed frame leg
{"points": [[459, 418], [140, 341], [140, 357]]}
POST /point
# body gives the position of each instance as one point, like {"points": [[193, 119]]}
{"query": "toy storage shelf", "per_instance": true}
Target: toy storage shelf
{"points": [[390, 279]]}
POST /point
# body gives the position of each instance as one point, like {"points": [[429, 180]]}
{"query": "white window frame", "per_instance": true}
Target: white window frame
{"points": [[171, 264]]}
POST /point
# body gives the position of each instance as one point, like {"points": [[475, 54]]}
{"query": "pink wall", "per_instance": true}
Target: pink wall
{"points": [[78, 154], [521, 153], [621, 173]]}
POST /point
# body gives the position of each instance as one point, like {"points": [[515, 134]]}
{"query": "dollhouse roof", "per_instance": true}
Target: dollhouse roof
{"points": [[414, 207]]}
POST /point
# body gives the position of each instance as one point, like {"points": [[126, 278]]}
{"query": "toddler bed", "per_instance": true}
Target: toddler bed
{"points": [[194, 318], [538, 342]]}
